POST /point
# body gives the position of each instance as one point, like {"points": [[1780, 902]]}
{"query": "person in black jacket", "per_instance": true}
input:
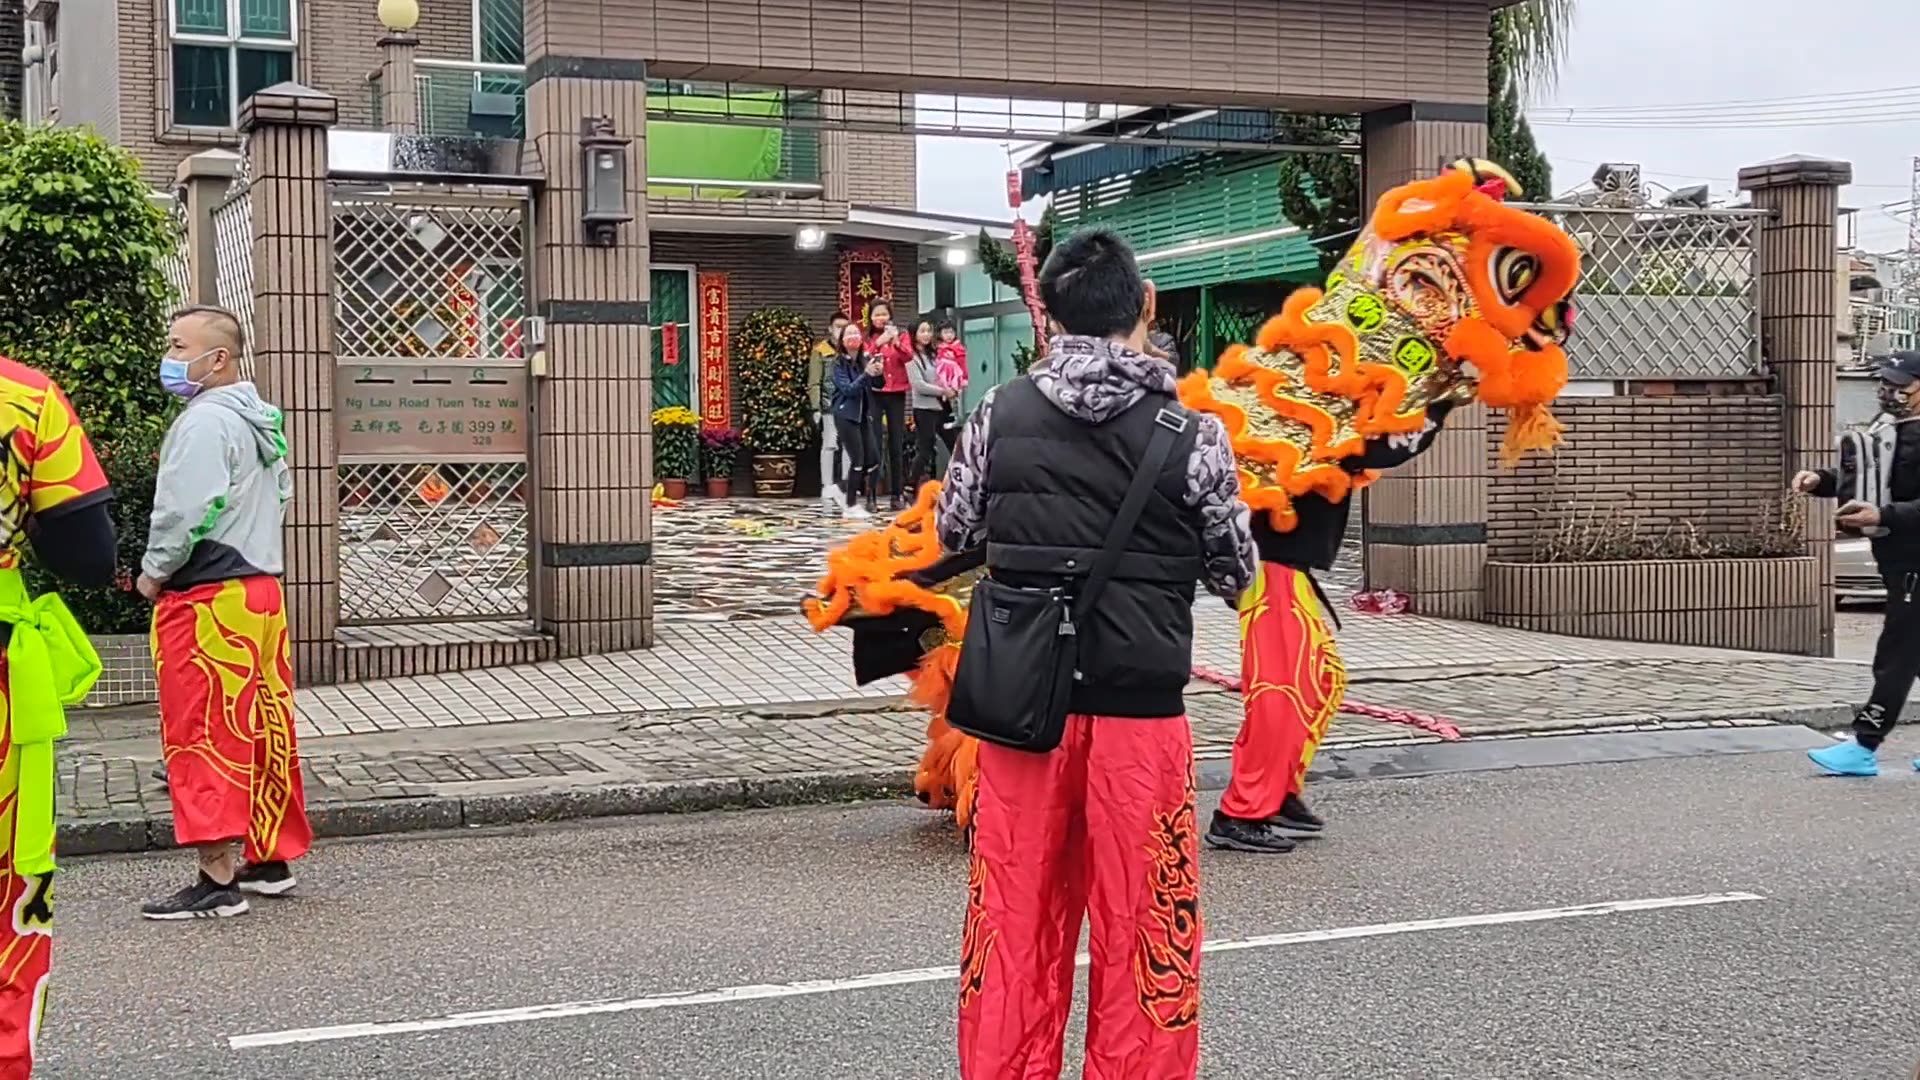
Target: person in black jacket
{"points": [[1891, 516], [1102, 826], [1263, 809]]}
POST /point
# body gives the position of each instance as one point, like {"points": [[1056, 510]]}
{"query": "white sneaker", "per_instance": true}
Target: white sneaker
{"points": [[857, 513]]}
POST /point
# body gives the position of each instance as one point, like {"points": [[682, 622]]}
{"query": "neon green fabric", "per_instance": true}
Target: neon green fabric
{"points": [[715, 151], [50, 665]]}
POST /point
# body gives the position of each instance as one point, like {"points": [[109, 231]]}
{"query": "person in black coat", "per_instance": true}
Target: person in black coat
{"points": [[1885, 507]]}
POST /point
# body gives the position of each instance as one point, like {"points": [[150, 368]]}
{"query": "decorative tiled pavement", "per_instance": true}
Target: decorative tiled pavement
{"points": [[724, 559]]}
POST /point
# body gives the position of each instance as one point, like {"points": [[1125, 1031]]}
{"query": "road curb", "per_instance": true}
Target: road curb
{"points": [[113, 835], [110, 835]]}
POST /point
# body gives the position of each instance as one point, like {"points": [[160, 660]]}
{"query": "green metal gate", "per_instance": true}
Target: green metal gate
{"points": [[671, 306]]}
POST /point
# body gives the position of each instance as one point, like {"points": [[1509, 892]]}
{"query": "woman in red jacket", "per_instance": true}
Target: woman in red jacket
{"points": [[894, 350]]}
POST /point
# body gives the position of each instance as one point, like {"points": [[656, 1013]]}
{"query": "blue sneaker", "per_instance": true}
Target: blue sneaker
{"points": [[1847, 759]]}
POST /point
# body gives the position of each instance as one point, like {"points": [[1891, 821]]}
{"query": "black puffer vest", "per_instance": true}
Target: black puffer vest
{"points": [[1054, 486]]}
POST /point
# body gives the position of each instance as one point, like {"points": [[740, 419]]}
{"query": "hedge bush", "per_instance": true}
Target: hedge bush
{"points": [[83, 298]]}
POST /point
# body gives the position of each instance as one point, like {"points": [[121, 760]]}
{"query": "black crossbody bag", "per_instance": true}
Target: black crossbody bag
{"points": [[1019, 659]]}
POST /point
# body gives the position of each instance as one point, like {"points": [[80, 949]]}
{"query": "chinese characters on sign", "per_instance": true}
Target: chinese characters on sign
{"points": [[716, 390], [866, 276], [670, 344], [444, 411]]}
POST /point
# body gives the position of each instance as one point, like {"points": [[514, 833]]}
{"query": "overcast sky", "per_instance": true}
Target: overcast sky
{"points": [[1738, 57]]}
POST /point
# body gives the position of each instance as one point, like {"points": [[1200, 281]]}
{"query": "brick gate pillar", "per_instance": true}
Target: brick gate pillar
{"points": [[1799, 321], [201, 183], [285, 130], [399, 99], [1426, 522], [594, 394]]}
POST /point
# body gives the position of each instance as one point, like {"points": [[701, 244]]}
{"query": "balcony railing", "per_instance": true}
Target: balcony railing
{"points": [[684, 159]]}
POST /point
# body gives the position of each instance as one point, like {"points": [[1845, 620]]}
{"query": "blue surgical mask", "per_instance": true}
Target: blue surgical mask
{"points": [[173, 375]]}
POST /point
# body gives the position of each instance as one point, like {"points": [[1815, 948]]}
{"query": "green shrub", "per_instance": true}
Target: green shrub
{"points": [[83, 298], [82, 294]]}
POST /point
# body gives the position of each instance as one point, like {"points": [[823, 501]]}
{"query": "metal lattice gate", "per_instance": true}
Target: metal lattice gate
{"points": [[431, 409]]}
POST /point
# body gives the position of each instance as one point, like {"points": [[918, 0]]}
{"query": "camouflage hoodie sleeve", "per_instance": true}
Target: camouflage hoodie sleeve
{"points": [[1226, 531], [962, 509]]}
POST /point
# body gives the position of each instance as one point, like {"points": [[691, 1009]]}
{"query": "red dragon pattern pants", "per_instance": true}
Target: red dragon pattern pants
{"points": [[26, 940], [226, 717], [1292, 683], [1102, 827]]}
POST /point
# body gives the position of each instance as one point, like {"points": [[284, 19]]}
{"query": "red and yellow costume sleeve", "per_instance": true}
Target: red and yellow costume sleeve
{"points": [[47, 466]]}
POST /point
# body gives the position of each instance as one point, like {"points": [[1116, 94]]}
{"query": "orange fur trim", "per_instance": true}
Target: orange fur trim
{"points": [[869, 571], [1440, 196], [1377, 389]]}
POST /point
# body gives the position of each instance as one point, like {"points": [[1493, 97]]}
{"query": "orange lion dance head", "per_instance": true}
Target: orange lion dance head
{"points": [[1449, 294]]}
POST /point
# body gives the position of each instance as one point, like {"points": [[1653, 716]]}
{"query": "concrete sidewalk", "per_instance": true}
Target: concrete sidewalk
{"points": [[763, 711]]}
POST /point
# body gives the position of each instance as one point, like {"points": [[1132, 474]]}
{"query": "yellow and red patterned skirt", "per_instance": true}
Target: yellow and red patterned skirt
{"points": [[221, 657]]}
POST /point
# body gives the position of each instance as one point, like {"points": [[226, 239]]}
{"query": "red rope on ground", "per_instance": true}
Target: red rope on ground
{"points": [[1423, 721]]}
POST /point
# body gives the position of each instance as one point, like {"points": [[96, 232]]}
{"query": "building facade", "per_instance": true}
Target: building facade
{"points": [[532, 200]]}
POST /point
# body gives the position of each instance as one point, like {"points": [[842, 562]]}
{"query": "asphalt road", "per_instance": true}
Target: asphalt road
{"points": [[1815, 978]]}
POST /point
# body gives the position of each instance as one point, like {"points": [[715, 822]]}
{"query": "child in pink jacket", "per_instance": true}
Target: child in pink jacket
{"points": [[950, 367]]}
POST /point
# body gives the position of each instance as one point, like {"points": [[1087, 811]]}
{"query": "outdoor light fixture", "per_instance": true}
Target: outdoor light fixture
{"points": [[399, 16], [956, 256], [810, 238], [603, 170]]}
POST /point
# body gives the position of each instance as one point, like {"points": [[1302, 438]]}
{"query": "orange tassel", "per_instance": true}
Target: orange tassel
{"points": [[1529, 427]]}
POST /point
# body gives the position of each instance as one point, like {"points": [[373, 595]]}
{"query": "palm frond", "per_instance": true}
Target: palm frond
{"points": [[1535, 34]]}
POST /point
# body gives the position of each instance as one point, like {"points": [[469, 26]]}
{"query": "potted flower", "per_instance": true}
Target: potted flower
{"points": [[770, 355], [719, 447], [674, 448]]}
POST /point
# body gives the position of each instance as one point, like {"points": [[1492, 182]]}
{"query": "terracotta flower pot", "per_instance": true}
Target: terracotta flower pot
{"points": [[773, 475], [719, 488], [674, 489]]}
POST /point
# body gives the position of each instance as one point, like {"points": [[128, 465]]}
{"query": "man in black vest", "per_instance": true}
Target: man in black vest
{"points": [[1104, 825]]}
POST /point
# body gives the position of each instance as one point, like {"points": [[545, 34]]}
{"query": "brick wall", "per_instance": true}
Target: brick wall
{"points": [[882, 170], [766, 270], [1715, 462], [339, 48]]}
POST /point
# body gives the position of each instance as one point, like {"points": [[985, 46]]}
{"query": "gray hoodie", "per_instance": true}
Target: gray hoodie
{"points": [[1096, 380], [222, 491]]}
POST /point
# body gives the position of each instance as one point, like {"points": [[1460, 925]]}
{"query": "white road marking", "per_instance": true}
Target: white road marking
{"points": [[809, 987]]}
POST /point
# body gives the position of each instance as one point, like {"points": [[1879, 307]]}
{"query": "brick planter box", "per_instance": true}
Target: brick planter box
{"points": [[1767, 605], [127, 678]]}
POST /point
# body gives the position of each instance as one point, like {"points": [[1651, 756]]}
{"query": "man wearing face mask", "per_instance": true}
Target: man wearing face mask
{"points": [[1888, 511], [212, 569]]}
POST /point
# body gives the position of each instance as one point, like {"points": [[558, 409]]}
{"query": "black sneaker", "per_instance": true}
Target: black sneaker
{"points": [[204, 899], [1296, 820], [266, 879], [1235, 834]]}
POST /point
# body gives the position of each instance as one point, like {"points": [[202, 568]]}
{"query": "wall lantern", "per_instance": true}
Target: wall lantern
{"points": [[603, 170], [956, 256], [810, 238]]}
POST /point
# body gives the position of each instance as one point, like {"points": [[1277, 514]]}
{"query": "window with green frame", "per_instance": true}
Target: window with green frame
{"points": [[224, 52]]}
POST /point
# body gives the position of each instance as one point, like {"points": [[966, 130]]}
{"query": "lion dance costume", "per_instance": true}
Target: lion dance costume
{"points": [[47, 470], [1447, 296]]}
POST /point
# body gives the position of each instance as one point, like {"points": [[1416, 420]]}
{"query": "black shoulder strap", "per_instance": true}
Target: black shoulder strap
{"points": [[1169, 424]]}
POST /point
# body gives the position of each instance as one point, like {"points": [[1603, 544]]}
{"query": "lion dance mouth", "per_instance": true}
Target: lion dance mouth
{"points": [[1449, 294]]}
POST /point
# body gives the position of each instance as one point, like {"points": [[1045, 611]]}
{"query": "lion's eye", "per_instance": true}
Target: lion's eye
{"points": [[1513, 271]]}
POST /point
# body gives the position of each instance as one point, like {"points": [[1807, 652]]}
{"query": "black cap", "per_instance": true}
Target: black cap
{"points": [[1901, 369]]}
